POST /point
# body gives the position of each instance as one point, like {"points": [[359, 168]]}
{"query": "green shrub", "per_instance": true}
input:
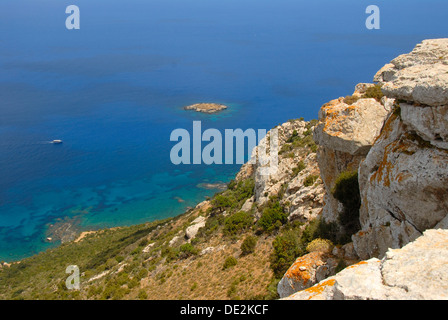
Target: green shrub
{"points": [[212, 224], [311, 123], [341, 265], [293, 136], [346, 191], [300, 167], [351, 99], [229, 262], [187, 250], [142, 295], [310, 180], [237, 223], [235, 195], [318, 228], [374, 92], [244, 189], [143, 273], [287, 248], [248, 245], [221, 202], [272, 217]]}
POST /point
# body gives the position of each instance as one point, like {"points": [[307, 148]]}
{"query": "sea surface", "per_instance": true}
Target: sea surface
{"points": [[115, 89]]}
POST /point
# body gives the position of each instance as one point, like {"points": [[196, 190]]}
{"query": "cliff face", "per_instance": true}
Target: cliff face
{"points": [[404, 178], [398, 145]]}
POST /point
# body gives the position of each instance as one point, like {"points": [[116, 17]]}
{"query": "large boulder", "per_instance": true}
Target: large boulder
{"points": [[295, 164], [350, 128], [193, 229], [306, 271]]}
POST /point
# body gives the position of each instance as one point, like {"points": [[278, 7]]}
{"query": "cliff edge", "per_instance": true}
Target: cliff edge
{"points": [[390, 139]]}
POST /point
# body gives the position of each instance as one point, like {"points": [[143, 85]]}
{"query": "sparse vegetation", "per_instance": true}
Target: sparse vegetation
{"points": [[310, 180], [299, 168], [374, 92], [287, 248], [351, 99]]}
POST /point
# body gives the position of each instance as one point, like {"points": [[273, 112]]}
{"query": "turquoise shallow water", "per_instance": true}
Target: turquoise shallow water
{"points": [[114, 91]]}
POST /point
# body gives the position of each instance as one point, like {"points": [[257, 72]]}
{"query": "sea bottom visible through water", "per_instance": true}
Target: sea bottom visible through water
{"points": [[61, 215]]}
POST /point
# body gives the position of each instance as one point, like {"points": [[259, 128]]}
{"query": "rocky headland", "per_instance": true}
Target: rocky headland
{"points": [[356, 210]]}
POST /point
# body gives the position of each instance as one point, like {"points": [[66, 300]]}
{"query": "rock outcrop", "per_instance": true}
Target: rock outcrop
{"points": [[306, 272], [417, 271], [296, 162], [404, 178], [345, 134], [398, 144], [420, 76], [193, 229]]}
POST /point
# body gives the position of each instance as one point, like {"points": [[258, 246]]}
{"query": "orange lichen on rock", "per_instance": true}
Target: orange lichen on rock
{"points": [[356, 265], [384, 170], [300, 270], [319, 288]]}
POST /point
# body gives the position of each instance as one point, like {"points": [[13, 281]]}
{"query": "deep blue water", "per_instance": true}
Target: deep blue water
{"points": [[114, 91]]}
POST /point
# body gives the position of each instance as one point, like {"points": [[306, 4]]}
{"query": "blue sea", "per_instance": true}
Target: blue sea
{"points": [[115, 89]]}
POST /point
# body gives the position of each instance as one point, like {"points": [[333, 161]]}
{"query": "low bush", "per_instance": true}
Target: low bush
{"points": [[187, 250], [287, 248], [229, 262], [320, 245], [272, 217], [346, 191], [237, 223], [351, 99], [374, 92], [310, 180], [248, 245], [300, 167]]}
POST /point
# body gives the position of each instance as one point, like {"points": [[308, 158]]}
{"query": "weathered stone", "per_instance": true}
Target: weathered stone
{"points": [[193, 229], [430, 123], [418, 271], [420, 76], [403, 184], [305, 272], [345, 134], [350, 128], [247, 206]]}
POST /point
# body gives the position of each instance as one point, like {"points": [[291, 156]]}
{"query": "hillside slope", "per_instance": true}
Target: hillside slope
{"points": [[228, 247]]}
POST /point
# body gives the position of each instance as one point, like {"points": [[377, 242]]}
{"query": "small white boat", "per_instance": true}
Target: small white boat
{"points": [[56, 141]]}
